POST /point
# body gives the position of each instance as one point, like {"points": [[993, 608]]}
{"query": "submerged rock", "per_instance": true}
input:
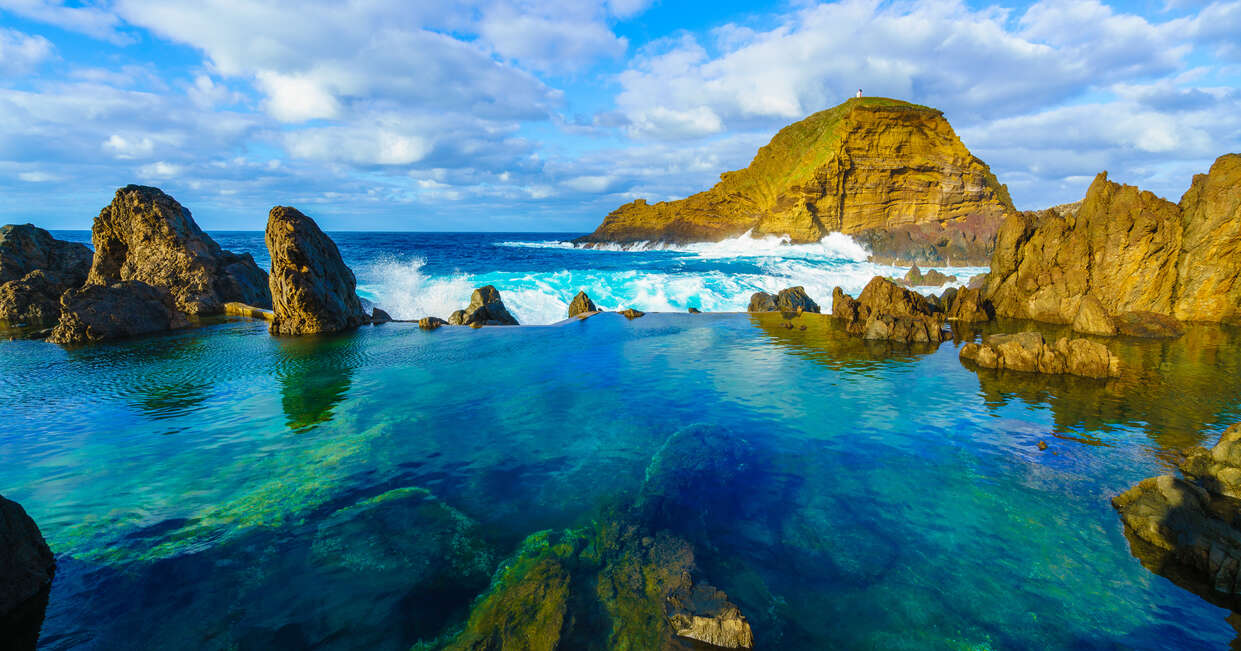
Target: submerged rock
{"points": [[485, 308], [145, 235], [312, 289], [887, 311], [609, 585], [124, 309], [1190, 529], [1028, 352], [892, 174], [35, 269], [26, 570], [581, 305], [1151, 325]]}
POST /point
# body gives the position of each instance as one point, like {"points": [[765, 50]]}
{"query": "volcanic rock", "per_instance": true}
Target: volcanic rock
{"points": [[124, 309], [968, 306], [933, 278], [794, 299], [581, 305], [1151, 325], [26, 563], [145, 235], [892, 174], [35, 269], [378, 316], [762, 302], [1092, 318], [485, 308], [885, 310], [1129, 249], [313, 292], [632, 313], [431, 322], [1028, 352]]}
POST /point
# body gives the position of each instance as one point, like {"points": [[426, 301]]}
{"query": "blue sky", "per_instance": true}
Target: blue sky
{"points": [[508, 115]]}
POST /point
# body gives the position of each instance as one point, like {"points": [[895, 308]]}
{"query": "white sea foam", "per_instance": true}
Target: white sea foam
{"points": [[836, 246], [401, 286]]}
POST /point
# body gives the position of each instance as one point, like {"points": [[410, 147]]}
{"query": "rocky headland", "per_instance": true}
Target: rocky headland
{"points": [[1124, 260], [891, 174]]}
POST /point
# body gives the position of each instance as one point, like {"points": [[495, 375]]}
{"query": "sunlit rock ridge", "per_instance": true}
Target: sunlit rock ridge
{"points": [[892, 174]]}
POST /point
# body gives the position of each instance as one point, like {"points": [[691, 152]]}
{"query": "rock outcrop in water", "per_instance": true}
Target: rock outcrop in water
{"points": [[26, 570], [887, 311], [35, 269], [129, 308], [967, 306], [1028, 352], [915, 278], [1189, 529], [792, 299], [581, 305], [1129, 251], [892, 174], [313, 291], [145, 235], [485, 308]]}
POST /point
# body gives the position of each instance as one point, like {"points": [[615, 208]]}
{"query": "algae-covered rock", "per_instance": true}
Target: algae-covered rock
{"points": [[892, 174], [609, 585], [581, 304], [312, 289], [145, 235]]}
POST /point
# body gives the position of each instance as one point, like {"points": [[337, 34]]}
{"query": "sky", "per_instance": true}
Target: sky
{"points": [[507, 115]]}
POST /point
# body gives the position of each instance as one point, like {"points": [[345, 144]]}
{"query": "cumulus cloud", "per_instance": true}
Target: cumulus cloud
{"points": [[93, 21], [20, 53]]}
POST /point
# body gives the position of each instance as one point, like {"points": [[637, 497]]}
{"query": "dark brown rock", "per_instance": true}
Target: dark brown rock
{"points": [[694, 310], [581, 305], [887, 311], [378, 316], [762, 302], [794, 299], [933, 278], [1028, 352], [26, 563], [124, 309], [312, 289], [457, 318], [968, 306], [35, 269], [632, 314], [485, 308], [431, 322], [1151, 325], [145, 235]]}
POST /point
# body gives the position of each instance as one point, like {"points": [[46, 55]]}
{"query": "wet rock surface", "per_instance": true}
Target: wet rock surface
{"points": [[887, 311], [35, 269], [124, 309], [1028, 352], [312, 289], [26, 570], [145, 235]]}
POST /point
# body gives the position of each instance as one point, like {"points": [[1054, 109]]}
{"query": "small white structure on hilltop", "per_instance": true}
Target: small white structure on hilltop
{"points": [[859, 92]]}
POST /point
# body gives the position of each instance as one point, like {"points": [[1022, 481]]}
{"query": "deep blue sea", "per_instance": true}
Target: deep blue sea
{"points": [[209, 488]]}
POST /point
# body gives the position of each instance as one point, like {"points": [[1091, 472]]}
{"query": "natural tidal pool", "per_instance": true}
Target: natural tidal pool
{"points": [[221, 488]]}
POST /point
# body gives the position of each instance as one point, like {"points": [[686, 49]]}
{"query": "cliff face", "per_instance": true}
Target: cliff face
{"points": [[1130, 250], [893, 173]]}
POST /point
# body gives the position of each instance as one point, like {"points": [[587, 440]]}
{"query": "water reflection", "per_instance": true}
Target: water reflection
{"points": [[820, 338], [1177, 391], [315, 374]]}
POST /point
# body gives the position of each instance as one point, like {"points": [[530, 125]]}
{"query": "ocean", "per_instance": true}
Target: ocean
{"points": [[412, 275], [220, 488]]}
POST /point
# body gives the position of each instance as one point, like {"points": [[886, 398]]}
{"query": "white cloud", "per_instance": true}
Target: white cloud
{"points": [[39, 177], [160, 170], [550, 37], [90, 20], [127, 148], [20, 53]]}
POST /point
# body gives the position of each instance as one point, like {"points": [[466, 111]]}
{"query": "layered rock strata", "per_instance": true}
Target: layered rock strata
{"points": [[1028, 352], [887, 311], [892, 174], [313, 291], [1123, 250]]}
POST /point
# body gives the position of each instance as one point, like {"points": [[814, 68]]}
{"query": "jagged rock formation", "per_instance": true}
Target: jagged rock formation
{"points": [[145, 235], [885, 310], [967, 306], [431, 322], [610, 585], [915, 278], [35, 269], [1190, 529], [792, 299], [129, 308], [581, 305], [892, 174], [1128, 249], [1028, 352], [313, 291], [485, 308], [26, 570]]}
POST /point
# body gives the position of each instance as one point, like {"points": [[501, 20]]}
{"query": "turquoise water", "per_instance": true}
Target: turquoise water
{"points": [[200, 489]]}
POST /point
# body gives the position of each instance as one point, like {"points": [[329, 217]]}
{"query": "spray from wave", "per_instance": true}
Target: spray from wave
{"points": [[713, 277]]}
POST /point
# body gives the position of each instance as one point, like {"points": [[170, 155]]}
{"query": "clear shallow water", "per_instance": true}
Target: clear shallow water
{"points": [[412, 275], [190, 483]]}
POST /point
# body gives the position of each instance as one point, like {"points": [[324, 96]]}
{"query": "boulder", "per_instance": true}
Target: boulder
{"points": [[887, 311], [1131, 250], [694, 310], [456, 318], [1092, 318], [632, 314], [431, 322], [485, 308], [312, 290], [1190, 528], [968, 306], [581, 305], [26, 563], [35, 269], [145, 235], [762, 302], [1151, 325], [794, 299], [378, 316], [1028, 352], [124, 309]]}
